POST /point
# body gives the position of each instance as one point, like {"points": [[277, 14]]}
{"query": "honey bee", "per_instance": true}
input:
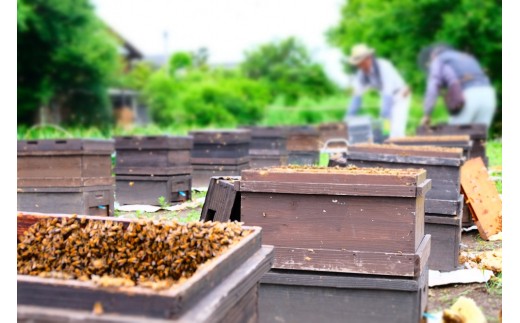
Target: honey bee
{"points": [[153, 254]]}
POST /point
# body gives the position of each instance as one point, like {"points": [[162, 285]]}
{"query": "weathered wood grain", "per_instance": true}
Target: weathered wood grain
{"points": [[148, 189], [303, 138], [96, 200], [444, 207], [98, 146], [446, 237], [295, 296], [336, 189], [444, 172], [484, 202], [219, 161], [227, 136], [462, 141], [34, 170], [348, 261], [153, 143], [202, 174], [332, 130], [152, 171], [220, 150], [335, 176], [28, 184], [335, 222], [153, 158], [406, 155], [477, 133], [222, 201]]}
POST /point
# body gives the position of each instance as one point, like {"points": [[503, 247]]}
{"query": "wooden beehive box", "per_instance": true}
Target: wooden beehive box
{"points": [[65, 175], [333, 130], [268, 146], [157, 155], [442, 166], [360, 129], [446, 237], [221, 144], [303, 138], [219, 153], [368, 221], [64, 163], [151, 167], [91, 200], [476, 131], [293, 296], [273, 139], [453, 141], [223, 289], [202, 174], [148, 189], [222, 202], [303, 144]]}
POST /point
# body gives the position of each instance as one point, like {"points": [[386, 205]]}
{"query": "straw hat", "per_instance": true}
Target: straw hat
{"points": [[358, 53]]}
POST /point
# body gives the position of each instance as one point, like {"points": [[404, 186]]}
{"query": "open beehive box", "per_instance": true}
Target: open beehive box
{"points": [[460, 141], [75, 266], [348, 220]]}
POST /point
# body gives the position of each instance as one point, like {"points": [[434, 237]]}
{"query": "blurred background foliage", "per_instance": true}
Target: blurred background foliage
{"points": [[67, 57], [399, 29]]}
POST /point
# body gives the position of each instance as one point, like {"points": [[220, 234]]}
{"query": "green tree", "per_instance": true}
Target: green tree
{"points": [[399, 29], [288, 69], [66, 58], [203, 97]]}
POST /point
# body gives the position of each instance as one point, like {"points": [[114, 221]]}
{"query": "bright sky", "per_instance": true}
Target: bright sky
{"points": [[226, 27]]}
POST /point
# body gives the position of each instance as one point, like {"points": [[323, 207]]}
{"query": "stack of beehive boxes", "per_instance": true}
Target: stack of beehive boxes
{"points": [[219, 153], [349, 242], [150, 168], [65, 176], [303, 144], [268, 146], [443, 203]]}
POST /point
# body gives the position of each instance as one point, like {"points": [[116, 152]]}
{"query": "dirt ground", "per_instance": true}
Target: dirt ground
{"points": [[487, 296]]}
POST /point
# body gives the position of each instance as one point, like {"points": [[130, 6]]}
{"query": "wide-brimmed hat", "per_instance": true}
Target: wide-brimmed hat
{"points": [[358, 53]]}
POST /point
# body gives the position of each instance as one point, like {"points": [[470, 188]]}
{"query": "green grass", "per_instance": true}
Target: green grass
{"points": [[334, 108], [162, 202], [494, 285], [494, 153], [198, 194]]}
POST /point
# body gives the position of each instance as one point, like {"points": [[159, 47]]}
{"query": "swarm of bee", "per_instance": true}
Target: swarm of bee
{"points": [[143, 253]]}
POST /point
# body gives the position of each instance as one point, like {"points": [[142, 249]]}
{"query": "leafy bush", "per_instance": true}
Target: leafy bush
{"points": [[288, 70], [203, 97]]}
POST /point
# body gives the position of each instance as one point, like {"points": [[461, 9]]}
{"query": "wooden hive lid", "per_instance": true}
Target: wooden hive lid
{"points": [[424, 151], [439, 139], [474, 130], [153, 142], [349, 180], [221, 136], [59, 146], [267, 132]]}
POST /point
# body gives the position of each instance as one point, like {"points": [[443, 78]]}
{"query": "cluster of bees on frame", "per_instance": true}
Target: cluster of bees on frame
{"points": [[140, 253]]}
